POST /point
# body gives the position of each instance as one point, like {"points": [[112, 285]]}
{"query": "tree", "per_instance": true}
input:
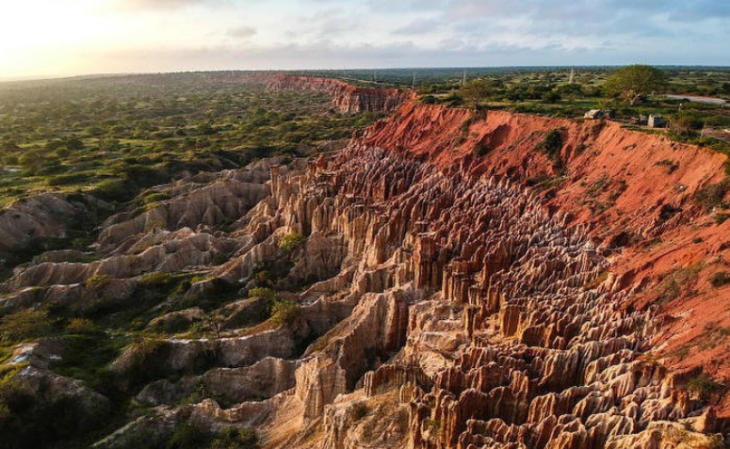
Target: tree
{"points": [[634, 82], [476, 91]]}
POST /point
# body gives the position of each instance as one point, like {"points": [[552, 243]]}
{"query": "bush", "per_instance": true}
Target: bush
{"points": [[112, 190], [292, 241], [712, 195], [359, 411], [232, 438], [158, 280], [97, 281], [186, 436], [703, 386], [284, 312], [263, 292], [720, 278], [24, 325], [81, 326], [551, 144]]}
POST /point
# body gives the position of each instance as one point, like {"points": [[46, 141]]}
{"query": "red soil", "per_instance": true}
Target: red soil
{"points": [[633, 191]]}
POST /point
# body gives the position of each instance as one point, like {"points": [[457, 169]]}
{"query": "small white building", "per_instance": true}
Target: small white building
{"points": [[656, 121]]}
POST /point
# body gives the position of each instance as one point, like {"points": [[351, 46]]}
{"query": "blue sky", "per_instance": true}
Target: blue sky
{"points": [[65, 37]]}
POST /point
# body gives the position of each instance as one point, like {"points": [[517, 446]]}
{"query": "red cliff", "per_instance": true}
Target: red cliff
{"points": [[345, 97]]}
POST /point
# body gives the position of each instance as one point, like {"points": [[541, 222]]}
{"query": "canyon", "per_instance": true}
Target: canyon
{"points": [[461, 282], [346, 98]]}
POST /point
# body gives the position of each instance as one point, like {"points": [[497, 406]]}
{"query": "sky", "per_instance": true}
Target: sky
{"points": [[41, 38]]}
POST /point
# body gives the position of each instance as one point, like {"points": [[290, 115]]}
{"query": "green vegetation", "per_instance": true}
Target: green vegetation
{"points": [[23, 325], [116, 138], [284, 311], [552, 144], [186, 436], [632, 93], [359, 411], [189, 436], [118, 135], [477, 91], [635, 82], [292, 241], [232, 438], [677, 282], [703, 386], [719, 279], [713, 195]]}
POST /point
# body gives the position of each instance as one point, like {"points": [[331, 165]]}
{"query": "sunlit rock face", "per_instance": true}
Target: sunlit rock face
{"points": [[345, 97]]}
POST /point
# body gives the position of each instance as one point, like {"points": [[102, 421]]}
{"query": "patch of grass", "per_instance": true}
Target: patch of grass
{"points": [[721, 217], [201, 392], [703, 386], [97, 281], [433, 426], [597, 281], [87, 357], [233, 438], [719, 279], [545, 182], [599, 186], [671, 166], [284, 312], [676, 282], [24, 325], [291, 242], [186, 436], [551, 144], [359, 411], [713, 195]]}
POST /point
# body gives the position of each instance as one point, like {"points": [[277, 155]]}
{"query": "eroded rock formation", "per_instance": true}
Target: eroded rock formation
{"points": [[464, 288], [345, 97]]}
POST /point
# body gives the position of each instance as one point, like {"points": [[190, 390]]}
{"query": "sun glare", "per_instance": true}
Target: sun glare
{"points": [[35, 36]]}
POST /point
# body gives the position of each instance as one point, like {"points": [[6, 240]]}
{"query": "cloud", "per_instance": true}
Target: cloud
{"points": [[165, 35], [241, 32], [420, 26], [163, 5]]}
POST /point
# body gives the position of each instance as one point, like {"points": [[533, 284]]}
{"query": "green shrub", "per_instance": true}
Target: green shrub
{"points": [[712, 195], [186, 436], [551, 144], [24, 325], [97, 281], [721, 217], [284, 312], [720, 278], [359, 411], [232, 438], [703, 386], [67, 179], [81, 326], [263, 292], [112, 190], [292, 241], [433, 426], [156, 281], [156, 198]]}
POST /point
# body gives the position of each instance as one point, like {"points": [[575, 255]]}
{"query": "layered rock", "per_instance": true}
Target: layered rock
{"points": [[345, 97], [451, 293], [44, 216]]}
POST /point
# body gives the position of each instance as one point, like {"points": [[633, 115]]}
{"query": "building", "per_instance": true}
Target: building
{"points": [[656, 121]]}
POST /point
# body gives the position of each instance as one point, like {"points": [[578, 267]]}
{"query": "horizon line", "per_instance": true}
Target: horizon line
{"points": [[354, 69]]}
